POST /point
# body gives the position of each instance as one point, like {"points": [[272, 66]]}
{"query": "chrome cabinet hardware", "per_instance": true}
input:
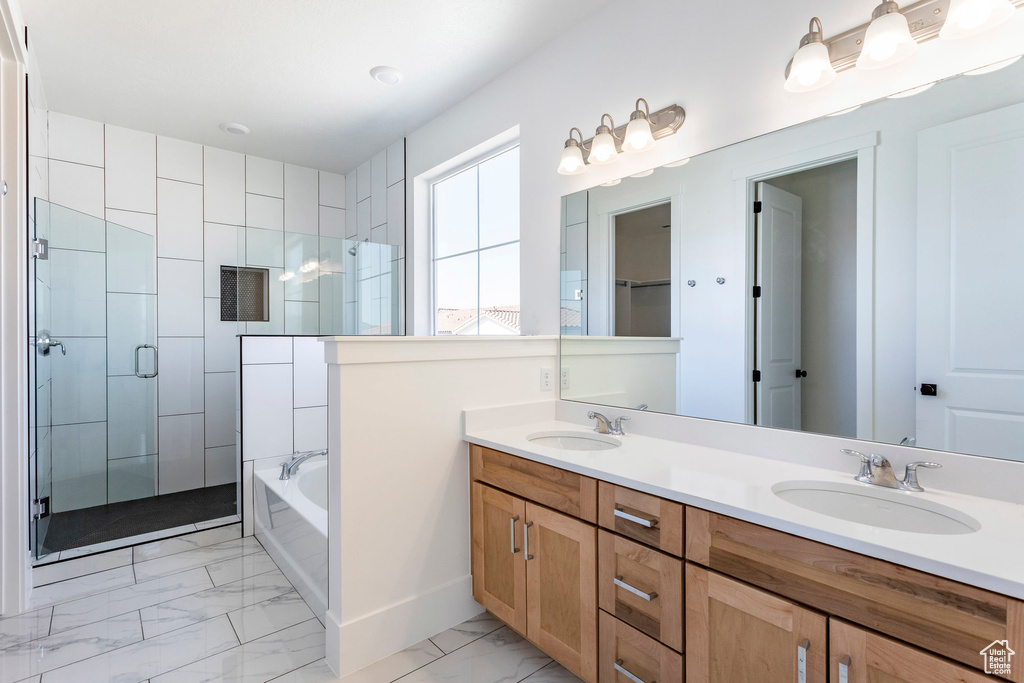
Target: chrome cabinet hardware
{"points": [[633, 589], [844, 668], [512, 534], [649, 523], [801, 660], [156, 361], [629, 674], [526, 540]]}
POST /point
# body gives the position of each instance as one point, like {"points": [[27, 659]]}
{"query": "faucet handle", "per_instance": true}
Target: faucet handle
{"points": [[865, 464], [910, 478], [617, 429]]}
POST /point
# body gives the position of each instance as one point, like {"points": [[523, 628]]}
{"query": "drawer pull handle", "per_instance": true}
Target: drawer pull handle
{"points": [[801, 660], [649, 523], [526, 540], [512, 534], [634, 590], [844, 668], [628, 674]]}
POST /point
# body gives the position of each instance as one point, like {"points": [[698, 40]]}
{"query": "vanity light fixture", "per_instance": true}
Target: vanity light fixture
{"points": [[888, 40], [970, 17], [572, 162], [993, 67], [811, 67], [642, 132], [603, 149]]}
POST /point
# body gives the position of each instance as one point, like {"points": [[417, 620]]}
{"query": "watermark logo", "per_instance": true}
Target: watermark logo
{"points": [[997, 658]]}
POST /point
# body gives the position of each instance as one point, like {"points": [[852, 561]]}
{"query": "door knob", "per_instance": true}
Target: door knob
{"points": [[929, 389], [800, 373]]}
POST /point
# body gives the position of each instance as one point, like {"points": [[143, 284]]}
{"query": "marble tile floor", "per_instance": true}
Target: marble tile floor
{"points": [[224, 612]]}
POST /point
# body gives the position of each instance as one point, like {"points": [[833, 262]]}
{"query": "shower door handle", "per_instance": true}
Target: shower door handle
{"points": [[156, 361]]}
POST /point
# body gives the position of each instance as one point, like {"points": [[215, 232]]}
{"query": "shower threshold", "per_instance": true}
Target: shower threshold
{"points": [[105, 527]]}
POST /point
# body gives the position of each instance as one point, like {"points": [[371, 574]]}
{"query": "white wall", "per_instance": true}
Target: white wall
{"points": [[722, 61], [399, 498], [621, 371]]}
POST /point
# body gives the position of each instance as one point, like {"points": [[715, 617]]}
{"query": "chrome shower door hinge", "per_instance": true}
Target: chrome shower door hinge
{"points": [[41, 508], [41, 249]]}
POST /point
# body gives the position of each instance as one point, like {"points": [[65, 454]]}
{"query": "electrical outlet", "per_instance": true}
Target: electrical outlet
{"points": [[565, 378], [545, 379]]}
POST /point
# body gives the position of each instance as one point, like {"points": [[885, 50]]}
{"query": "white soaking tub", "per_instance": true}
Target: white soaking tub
{"points": [[291, 523]]}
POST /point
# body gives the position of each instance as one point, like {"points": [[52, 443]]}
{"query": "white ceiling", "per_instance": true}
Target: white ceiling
{"points": [[294, 71]]}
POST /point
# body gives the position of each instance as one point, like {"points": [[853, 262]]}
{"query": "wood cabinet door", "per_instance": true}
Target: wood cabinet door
{"points": [[561, 590], [861, 656], [499, 561], [735, 632]]}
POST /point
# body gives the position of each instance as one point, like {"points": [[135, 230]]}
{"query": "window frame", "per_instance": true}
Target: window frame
{"points": [[432, 212]]}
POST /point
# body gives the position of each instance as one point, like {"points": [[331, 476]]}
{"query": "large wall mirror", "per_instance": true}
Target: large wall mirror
{"points": [[858, 275]]}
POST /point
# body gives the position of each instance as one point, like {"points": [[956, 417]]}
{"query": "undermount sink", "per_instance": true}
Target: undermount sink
{"points": [[878, 507], [574, 441]]}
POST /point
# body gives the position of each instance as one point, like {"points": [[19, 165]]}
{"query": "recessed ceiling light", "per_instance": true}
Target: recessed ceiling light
{"points": [[911, 92], [643, 174], [992, 67], [681, 162], [234, 128], [387, 75]]}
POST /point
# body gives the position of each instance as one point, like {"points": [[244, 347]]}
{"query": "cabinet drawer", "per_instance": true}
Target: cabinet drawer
{"points": [[641, 516], [625, 649], [558, 489], [642, 587], [949, 618]]}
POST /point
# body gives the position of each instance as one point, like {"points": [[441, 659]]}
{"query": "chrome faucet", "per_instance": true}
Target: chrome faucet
{"points": [[606, 426], [877, 471], [292, 466]]}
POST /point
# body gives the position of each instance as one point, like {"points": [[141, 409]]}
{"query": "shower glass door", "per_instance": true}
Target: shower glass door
{"points": [[96, 367]]}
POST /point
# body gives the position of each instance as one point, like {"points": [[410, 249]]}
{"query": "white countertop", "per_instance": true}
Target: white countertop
{"points": [[739, 485]]}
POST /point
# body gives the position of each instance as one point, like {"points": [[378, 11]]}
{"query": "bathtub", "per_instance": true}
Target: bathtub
{"points": [[291, 523]]}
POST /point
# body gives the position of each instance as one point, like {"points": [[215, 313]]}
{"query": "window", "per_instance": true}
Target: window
{"points": [[476, 248]]}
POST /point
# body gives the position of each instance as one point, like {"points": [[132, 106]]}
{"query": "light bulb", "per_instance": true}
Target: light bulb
{"points": [[602, 150], [571, 162], [811, 66], [970, 17], [887, 40], [638, 136]]}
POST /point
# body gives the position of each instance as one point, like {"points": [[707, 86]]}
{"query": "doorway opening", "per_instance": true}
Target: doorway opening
{"points": [[643, 272]]}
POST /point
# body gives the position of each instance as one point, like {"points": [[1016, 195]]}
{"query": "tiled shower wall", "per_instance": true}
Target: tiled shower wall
{"points": [[205, 207]]}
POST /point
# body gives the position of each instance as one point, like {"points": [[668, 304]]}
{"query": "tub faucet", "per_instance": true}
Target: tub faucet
{"points": [[292, 466]]}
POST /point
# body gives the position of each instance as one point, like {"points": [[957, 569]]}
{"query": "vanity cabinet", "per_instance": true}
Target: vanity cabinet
{"points": [[499, 563], [736, 632]]}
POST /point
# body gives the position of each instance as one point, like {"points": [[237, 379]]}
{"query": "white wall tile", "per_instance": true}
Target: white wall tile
{"points": [[131, 169], [180, 220], [221, 340], [379, 189], [259, 350], [140, 222], [79, 466], [267, 404], [310, 373], [81, 310], [74, 139], [363, 220], [264, 212], [224, 186], [332, 222], [221, 465], [180, 298], [131, 320], [363, 178], [300, 250], [310, 428], [301, 191], [263, 176], [70, 229], [77, 187], [131, 478], [332, 190], [131, 417], [264, 248], [220, 409], [79, 381], [351, 184], [396, 216], [181, 375], [396, 162], [182, 459], [179, 160], [379, 234], [224, 245], [301, 317]]}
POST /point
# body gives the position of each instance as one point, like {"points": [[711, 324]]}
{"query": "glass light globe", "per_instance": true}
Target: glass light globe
{"points": [[602, 150], [571, 162], [886, 42], [970, 17], [811, 69], [638, 136]]}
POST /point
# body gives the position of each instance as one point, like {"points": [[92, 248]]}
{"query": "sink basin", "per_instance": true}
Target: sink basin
{"points": [[574, 441], [878, 507]]}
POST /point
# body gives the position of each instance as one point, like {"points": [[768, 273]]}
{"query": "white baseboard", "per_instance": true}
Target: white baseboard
{"points": [[360, 642]]}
